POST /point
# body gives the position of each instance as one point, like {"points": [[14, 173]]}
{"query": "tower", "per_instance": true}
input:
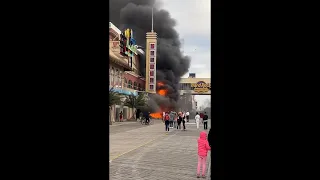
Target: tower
{"points": [[151, 60]]}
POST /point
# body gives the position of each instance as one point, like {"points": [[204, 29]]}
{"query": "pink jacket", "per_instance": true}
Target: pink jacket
{"points": [[203, 145]]}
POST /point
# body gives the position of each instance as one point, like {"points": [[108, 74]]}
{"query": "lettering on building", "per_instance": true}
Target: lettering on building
{"points": [[201, 87]]}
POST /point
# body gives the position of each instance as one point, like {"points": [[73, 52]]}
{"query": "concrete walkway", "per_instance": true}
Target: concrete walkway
{"points": [[151, 153]]}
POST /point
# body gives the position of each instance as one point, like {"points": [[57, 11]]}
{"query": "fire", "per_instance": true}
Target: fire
{"points": [[162, 92], [157, 115]]}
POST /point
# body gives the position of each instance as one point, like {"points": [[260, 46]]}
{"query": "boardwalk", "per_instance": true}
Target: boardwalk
{"points": [[148, 152]]}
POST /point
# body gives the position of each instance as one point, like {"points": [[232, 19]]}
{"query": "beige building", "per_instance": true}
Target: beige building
{"points": [[123, 75]]}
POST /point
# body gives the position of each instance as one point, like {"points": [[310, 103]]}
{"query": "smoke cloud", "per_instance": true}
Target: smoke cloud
{"points": [[171, 63]]}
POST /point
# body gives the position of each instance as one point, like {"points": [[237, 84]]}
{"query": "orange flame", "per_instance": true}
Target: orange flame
{"points": [[162, 92], [157, 115]]}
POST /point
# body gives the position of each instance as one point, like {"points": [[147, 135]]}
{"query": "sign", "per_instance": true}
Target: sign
{"points": [[201, 87], [130, 43]]}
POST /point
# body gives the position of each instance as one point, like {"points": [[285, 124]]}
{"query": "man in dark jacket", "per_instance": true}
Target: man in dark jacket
{"points": [[205, 121]]}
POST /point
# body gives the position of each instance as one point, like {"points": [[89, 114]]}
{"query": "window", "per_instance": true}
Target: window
{"points": [[152, 53], [152, 46], [151, 66], [151, 73], [130, 84], [135, 85], [152, 59], [151, 87], [151, 80]]}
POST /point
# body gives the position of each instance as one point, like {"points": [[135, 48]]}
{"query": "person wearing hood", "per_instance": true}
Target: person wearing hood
{"points": [[203, 148]]}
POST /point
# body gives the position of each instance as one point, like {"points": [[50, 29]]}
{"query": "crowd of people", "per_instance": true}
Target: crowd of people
{"points": [[173, 119]]}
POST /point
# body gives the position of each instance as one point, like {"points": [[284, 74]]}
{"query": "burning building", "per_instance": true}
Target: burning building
{"points": [[169, 62]]}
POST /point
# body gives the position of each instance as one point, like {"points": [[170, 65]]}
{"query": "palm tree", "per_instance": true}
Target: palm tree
{"points": [[132, 101], [114, 98]]}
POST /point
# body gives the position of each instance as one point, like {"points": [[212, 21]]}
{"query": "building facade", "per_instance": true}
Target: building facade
{"points": [[151, 62], [123, 73]]}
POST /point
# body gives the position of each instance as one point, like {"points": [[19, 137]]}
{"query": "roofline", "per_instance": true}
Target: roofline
{"points": [[112, 26]]}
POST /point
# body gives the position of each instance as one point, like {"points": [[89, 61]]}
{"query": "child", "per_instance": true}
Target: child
{"points": [[203, 148]]}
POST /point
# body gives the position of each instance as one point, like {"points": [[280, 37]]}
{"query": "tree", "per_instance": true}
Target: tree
{"points": [[114, 98], [133, 102]]}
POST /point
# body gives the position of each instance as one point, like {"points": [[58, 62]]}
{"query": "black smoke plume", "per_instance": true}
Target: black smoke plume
{"points": [[171, 63]]}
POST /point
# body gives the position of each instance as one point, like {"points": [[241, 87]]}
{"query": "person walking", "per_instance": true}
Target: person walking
{"points": [[121, 116], [179, 120], [175, 120], [184, 120], [201, 117], [203, 148], [171, 119], [205, 120], [187, 115], [197, 118], [147, 117], [166, 121]]}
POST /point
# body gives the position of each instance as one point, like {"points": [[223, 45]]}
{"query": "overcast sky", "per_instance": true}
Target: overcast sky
{"points": [[193, 26]]}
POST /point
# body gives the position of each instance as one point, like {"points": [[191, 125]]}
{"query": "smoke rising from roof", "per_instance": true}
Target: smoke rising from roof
{"points": [[171, 63]]}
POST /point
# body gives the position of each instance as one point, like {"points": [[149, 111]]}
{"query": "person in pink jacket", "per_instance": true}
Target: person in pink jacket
{"points": [[203, 148]]}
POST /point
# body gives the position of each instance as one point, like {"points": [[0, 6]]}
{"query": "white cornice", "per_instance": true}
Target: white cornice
{"points": [[114, 28]]}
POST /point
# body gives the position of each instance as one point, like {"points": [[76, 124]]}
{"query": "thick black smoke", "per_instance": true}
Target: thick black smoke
{"points": [[171, 63]]}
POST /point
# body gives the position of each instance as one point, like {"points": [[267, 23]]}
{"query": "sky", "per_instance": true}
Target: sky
{"points": [[193, 26]]}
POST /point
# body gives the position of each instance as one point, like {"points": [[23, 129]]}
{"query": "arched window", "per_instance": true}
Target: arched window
{"points": [[135, 85], [139, 87], [130, 84], [112, 76]]}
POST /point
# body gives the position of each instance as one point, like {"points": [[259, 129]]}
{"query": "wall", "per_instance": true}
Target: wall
{"points": [[133, 79], [115, 75]]}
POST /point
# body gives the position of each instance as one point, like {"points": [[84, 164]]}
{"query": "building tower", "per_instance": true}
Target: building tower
{"points": [[151, 60]]}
